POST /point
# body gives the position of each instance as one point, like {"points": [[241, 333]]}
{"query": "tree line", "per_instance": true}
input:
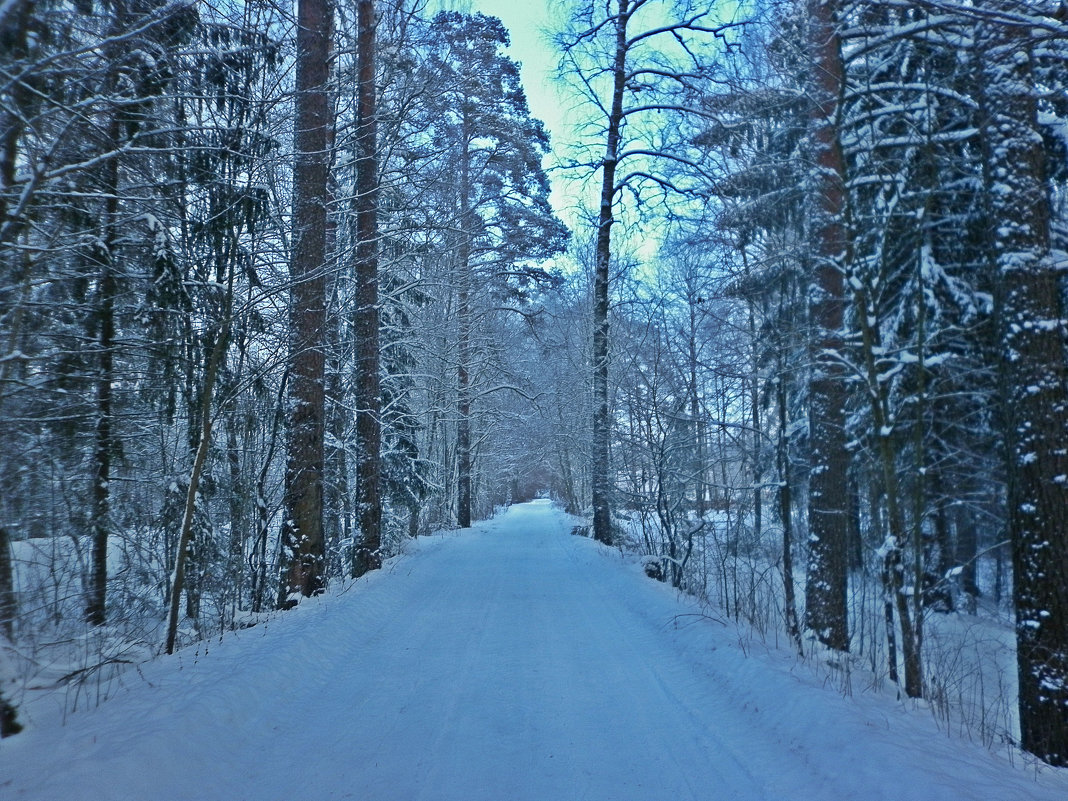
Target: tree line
{"points": [[848, 354], [265, 278], [281, 291]]}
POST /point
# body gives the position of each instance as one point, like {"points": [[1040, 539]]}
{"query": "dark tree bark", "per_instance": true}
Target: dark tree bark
{"points": [[967, 550], [13, 39], [9, 724], [258, 561], [239, 494], [1035, 365], [700, 490], [303, 527], [600, 470], [786, 505], [8, 604], [104, 444], [463, 342], [368, 391], [757, 455], [825, 610]]}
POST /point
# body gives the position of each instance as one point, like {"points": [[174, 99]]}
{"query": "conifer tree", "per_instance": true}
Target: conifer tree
{"points": [[303, 528]]}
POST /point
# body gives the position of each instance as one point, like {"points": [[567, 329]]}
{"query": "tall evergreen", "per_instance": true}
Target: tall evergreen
{"points": [[492, 151], [309, 268]]}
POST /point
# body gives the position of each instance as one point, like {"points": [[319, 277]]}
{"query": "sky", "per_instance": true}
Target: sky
{"points": [[528, 22]]}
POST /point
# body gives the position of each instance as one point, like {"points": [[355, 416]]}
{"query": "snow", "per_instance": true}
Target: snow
{"points": [[512, 661]]}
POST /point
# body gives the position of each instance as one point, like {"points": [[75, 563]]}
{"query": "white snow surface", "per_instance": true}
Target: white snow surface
{"points": [[510, 662]]}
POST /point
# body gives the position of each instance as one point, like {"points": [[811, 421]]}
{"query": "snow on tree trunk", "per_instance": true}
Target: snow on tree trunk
{"points": [[825, 610], [303, 527], [368, 390], [1035, 364]]}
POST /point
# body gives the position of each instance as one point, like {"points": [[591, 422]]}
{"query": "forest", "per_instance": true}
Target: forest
{"points": [[282, 287]]}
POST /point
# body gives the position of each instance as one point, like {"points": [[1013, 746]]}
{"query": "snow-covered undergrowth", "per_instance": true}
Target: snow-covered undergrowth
{"points": [[55, 653], [969, 659], [970, 679]]}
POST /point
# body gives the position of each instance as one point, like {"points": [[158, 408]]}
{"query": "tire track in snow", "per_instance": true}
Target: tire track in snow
{"points": [[673, 694]]}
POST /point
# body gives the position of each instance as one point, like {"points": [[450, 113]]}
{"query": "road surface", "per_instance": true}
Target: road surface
{"points": [[512, 662]]}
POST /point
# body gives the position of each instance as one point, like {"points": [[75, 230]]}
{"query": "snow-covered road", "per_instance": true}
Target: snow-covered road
{"points": [[509, 662]]}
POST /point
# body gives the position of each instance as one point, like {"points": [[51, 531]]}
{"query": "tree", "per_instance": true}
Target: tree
{"points": [[216, 155], [211, 374], [503, 222], [754, 131], [78, 119], [303, 528], [1035, 366], [222, 229], [826, 612], [366, 329], [916, 286], [610, 51]]}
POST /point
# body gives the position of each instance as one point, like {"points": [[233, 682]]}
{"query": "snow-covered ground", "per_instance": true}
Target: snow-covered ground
{"points": [[509, 662]]}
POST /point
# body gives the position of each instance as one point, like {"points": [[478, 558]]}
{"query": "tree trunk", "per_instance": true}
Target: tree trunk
{"points": [[600, 468], [700, 494], [463, 345], [368, 392], [826, 589], [104, 444], [9, 724], [238, 516], [793, 627], [14, 42], [8, 603], [756, 449], [894, 580], [218, 353], [967, 549], [942, 594], [258, 562], [853, 530], [303, 527], [1035, 366]]}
